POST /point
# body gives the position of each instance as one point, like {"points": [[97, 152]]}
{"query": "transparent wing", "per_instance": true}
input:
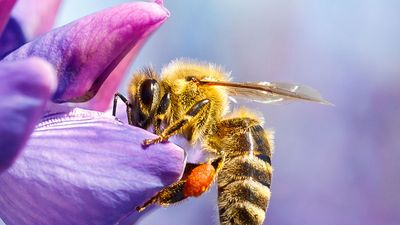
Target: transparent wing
{"points": [[270, 92]]}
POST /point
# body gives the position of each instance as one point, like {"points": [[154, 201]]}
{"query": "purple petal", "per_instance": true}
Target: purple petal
{"points": [[101, 101], [36, 16], [5, 9], [12, 38], [25, 88], [86, 51], [85, 168]]}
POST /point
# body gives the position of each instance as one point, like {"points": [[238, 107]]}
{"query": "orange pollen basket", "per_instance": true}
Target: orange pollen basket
{"points": [[199, 180]]}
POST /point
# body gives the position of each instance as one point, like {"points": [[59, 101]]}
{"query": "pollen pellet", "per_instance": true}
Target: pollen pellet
{"points": [[199, 180]]}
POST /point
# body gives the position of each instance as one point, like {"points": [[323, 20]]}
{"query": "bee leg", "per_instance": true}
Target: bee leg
{"points": [[188, 186], [168, 195], [174, 127], [127, 103], [161, 111]]}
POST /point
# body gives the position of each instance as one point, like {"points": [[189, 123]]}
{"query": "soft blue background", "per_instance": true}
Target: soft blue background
{"points": [[333, 165]]}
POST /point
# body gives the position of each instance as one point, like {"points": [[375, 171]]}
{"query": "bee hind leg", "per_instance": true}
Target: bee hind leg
{"points": [[167, 196], [192, 183]]}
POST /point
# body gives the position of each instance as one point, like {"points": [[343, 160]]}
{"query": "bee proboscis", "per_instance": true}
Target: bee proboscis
{"points": [[191, 99]]}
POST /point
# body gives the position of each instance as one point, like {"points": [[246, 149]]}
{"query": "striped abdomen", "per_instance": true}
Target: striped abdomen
{"points": [[244, 180]]}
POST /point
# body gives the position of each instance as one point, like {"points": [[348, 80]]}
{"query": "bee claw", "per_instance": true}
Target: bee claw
{"points": [[148, 142], [140, 208]]}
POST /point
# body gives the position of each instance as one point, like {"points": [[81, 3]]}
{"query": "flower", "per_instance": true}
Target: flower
{"points": [[25, 88], [79, 165]]}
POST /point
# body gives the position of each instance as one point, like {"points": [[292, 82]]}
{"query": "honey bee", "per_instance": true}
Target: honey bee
{"points": [[191, 99]]}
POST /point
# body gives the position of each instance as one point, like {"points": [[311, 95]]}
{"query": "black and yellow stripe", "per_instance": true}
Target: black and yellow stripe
{"points": [[245, 179]]}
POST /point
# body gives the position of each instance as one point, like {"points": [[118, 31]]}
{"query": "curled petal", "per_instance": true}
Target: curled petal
{"points": [[25, 88], [36, 16], [85, 168], [5, 9], [86, 51], [101, 101]]}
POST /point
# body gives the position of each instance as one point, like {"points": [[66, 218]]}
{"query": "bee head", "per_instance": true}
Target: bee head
{"points": [[144, 93]]}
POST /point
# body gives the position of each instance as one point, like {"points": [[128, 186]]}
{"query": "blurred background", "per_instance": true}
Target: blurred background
{"points": [[333, 165]]}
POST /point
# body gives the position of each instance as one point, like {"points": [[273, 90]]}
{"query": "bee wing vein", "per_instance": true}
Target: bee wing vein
{"points": [[270, 92]]}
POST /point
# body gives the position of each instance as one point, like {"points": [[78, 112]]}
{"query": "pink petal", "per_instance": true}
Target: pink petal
{"points": [[86, 51], [101, 101], [5, 9]]}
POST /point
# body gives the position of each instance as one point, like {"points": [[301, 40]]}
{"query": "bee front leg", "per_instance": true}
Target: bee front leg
{"points": [[196, 179], [175, 127], [127, 103], [161, 111]]}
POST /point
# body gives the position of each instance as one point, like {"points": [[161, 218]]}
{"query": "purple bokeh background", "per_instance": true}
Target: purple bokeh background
{"points": [[333, 165]]}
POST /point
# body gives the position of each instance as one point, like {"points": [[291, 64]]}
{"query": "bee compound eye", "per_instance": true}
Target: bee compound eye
{"points": [[147, 89]]}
